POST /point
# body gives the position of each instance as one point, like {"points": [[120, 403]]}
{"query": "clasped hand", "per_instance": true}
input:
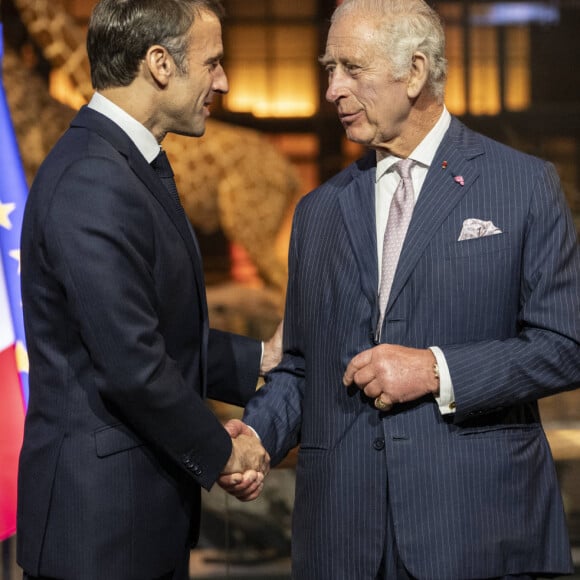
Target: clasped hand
{"points": [[393, 373], [249, 463]]}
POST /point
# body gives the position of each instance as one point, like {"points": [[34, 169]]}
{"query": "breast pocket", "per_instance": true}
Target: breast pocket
{"points": [[485, 247]]}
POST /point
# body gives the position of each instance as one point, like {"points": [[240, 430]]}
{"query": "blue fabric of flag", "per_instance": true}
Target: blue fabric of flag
{"points": [[13, 193]]}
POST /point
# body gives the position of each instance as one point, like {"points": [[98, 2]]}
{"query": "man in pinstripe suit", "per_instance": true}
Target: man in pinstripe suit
{"points": [[421, 453]]}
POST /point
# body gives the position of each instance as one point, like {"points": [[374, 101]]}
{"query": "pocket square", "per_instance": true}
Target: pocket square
{"points": [[474, 228]]}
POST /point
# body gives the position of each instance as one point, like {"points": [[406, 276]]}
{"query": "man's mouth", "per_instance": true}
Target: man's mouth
{"points": [[348, 116]]}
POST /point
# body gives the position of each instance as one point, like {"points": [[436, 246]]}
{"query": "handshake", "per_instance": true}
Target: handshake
{"points": [[244, 473]]}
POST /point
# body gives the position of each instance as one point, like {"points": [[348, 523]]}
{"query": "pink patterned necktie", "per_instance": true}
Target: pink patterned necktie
{"points": [[400, 214]]}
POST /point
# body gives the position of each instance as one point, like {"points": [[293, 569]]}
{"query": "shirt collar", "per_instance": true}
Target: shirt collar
{"points": [[143, 139], [425, 151]]}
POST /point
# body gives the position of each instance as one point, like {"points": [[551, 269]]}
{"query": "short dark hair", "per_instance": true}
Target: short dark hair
{"points": [[121, 31]]}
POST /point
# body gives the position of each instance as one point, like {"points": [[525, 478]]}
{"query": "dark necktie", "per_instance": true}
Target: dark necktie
{"points": [[163, 169], [165, 173], [400, 214]]}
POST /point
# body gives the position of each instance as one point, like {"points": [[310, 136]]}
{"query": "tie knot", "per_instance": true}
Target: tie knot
{"points": [[161, 165], [403, 168]]}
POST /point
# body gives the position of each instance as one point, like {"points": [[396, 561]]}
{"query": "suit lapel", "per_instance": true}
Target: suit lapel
{"points": [[439, 195], [357, 204], [147, 175], [120, 141], [150, 178]]}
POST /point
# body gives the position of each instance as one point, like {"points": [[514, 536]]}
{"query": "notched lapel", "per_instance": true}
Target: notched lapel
{"points": [[147, 175], [118, 139], [451, 176], [357, 203]]}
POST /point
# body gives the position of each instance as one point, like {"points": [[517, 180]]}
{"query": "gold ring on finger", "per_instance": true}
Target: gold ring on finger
{"points": [[381, 405]]}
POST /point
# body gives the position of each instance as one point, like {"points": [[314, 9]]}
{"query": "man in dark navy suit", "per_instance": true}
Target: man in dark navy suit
{"points": [[433, 298], [118, 439]]}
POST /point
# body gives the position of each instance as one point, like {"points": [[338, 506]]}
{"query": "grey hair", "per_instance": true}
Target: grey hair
{"points": [[405, 27]]}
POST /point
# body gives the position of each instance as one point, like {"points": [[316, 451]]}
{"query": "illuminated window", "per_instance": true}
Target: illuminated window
{"points": [[455, 97], [488, 53], [484, 80], [271, 50], [517, 77]]}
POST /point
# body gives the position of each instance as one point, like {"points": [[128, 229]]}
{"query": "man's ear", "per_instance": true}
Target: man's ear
{"points": [[159, 63], [418, 75]]}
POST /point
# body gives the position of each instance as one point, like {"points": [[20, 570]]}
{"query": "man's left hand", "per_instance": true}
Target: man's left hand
{"points": [[390, 374]]}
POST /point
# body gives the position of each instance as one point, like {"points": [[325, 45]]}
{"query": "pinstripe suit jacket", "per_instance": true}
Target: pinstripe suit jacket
{"points": [[474, 494]]}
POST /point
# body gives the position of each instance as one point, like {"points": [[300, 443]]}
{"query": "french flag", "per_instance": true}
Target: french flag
{"points": [[13, 354]]}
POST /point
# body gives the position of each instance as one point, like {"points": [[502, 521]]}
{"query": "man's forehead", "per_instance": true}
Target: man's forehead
{"points": [[354, 34], [205, 28], [351, 46]]}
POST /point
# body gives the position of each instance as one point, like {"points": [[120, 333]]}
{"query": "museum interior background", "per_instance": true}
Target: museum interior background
{"points": [[513, 75]]}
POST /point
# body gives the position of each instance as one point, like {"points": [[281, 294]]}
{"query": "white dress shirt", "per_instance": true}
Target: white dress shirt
{"points": [[143, 138]]}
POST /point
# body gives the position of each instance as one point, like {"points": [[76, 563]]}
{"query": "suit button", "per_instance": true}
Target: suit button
{"points": [[197, 470], [379, 443]]}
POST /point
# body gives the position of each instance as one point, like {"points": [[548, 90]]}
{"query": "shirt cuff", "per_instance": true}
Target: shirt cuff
{"points": [[446, 398], [261, 356]]}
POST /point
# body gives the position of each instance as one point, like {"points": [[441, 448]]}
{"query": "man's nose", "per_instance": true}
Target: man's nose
{"points": [[220, 83], [336, 87]]}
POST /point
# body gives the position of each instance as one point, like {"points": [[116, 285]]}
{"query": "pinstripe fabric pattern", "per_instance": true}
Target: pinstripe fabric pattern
{"points": [[472, 495]]}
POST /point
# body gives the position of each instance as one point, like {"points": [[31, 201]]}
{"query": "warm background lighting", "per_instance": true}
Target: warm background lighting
{"points": [[488, 65], [271, 53]]}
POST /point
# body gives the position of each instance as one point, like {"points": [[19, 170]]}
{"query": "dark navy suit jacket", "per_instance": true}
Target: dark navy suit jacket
{"points": [[473, 494], [118, 438]]}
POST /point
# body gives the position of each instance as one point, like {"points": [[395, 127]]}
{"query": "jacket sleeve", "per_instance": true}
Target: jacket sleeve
{"points": [[233, 367], [275, 412]]}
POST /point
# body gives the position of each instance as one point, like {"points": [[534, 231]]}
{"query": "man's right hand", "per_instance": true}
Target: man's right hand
{"points": [[249, 463], [247, 454]]}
